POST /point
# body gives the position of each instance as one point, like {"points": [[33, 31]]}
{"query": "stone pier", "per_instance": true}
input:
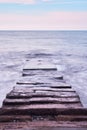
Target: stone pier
{"points": [[41, 99]]}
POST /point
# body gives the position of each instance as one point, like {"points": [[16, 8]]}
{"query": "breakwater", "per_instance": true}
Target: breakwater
{"points": [[42, 98]]}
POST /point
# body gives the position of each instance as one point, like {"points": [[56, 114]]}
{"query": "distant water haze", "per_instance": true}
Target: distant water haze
{"points": [[69, 50]]}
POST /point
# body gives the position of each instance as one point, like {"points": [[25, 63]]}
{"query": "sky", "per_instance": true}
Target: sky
{"points": [[43, 14]]}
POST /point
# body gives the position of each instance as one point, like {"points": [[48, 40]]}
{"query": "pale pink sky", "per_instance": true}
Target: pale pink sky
{"points": [[51, 20], [43, 15]]}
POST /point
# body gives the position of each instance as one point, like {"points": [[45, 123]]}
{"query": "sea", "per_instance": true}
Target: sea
{"points": [[69, 50]]}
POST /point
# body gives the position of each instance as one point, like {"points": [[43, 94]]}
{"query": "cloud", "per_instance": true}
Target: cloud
{"points": [[47, 21], [65, 1], [45, 1], [18, 1]]}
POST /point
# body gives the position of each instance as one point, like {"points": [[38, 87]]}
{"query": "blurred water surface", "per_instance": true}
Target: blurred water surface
{"points": [[69, 50]]}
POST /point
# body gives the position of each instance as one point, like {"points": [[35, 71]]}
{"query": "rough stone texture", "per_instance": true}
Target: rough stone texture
{"points": [[15, 118], [42, 84], [39, 80], [42, 94], [41, 109], [43, 73], [42, 100], [44, 125], [26, 88]]}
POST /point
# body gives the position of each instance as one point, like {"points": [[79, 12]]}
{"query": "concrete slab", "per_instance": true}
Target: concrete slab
{"points": [[46, 73], [39, 100], [42, 94], [44, 125], [39, 64]]}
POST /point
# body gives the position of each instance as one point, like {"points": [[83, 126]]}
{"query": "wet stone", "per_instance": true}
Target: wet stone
{"points": [[38, 64], [42, 94], [48, 109], [44, 84], [39, 109], [39, 80], [59, 86], [71, 118], [59, 94], [21, 88], [40, 100], [43, 73], [15, 118]]}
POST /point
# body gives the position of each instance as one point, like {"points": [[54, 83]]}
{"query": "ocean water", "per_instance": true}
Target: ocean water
{"points": [[69, 50]]}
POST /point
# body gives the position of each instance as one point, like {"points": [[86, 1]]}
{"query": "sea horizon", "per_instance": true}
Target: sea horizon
{"points": [[40, 30]]}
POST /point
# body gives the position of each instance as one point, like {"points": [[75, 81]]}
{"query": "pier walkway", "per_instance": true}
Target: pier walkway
{"points": [[41, 99]]}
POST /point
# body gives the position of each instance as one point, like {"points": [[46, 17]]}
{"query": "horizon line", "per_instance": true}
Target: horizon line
{"points": [[44, 30]]}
